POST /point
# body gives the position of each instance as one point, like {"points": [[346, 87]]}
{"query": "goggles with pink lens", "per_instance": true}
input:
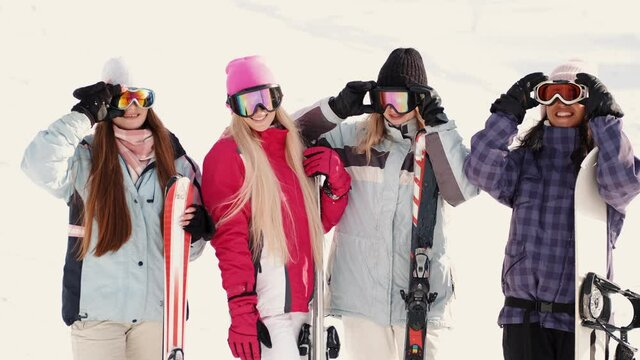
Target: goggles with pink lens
{"points": [[401, 100], [246, 102]]}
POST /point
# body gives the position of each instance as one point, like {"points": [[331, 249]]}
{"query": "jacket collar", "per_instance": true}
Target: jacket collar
{"points": [[273, 140], [560, 139], [402, 132]]}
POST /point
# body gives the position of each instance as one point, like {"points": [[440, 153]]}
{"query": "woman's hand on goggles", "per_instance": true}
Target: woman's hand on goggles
{"points": [[350, 101], [517, 99], [430, 106], [94, 100], [600, 101]]}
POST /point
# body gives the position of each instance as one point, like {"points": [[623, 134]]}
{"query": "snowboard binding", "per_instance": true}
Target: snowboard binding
{"points": [[595, 311]]}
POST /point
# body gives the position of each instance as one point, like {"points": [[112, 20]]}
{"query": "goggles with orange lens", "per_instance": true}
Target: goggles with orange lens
{"points": [[401, 100], [566, 91], [246, 102], [141, 96]]}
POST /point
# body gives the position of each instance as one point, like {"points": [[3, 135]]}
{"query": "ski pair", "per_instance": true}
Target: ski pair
{"points": [[177, 242], [418, 299], [315, 333]]}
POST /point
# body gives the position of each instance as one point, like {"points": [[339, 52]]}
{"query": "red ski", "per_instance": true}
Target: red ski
{"points": [[176, 259]]}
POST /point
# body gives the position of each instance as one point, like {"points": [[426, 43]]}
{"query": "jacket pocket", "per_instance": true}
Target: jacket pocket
{"points": [[510, 263], [355, 269]]}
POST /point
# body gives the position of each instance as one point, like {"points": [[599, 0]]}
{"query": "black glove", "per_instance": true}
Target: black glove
{"points": [[95, 101], [430, 108], [349, 101], [201, 225], [600, 101], [518, 98]]}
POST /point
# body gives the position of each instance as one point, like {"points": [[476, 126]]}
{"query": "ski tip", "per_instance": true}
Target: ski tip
{"points": [[172, 180]]}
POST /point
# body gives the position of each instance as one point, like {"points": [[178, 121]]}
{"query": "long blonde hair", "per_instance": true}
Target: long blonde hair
{"points": [[262, 188], [373, 132]]}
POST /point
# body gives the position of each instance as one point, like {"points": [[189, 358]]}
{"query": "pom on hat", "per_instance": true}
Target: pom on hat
{"points": [[116, 71], [568, 71], [402, 64], [247, 72]]}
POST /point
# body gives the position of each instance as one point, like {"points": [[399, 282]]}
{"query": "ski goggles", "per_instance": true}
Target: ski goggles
{"points": [[141, 96], [400, 99], [245, 103], [566, 91]]}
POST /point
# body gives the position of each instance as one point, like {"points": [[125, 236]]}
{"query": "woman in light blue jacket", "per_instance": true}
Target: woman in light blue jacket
{"points": [[369, 265], [113, 181]]}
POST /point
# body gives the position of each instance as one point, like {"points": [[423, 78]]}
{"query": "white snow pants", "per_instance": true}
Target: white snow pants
{"points": [[284, 330], [365, 339], [109, 340]]}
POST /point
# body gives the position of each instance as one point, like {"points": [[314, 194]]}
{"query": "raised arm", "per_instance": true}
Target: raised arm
{"points": [[618, 167], [325, 115]]}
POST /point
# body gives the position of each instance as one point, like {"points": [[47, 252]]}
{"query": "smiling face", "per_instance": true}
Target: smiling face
{"points": [[562, 115], [398, 119], [261, 120], [133, 118]]}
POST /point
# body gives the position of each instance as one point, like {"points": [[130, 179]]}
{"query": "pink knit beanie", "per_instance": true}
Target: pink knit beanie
{"points": [[247, 72]]}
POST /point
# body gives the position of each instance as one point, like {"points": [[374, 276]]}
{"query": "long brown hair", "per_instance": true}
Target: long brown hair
{"points": [[106, 201]]}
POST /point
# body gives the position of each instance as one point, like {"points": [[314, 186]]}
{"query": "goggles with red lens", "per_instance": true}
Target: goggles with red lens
{"points": [[246, 102], [401, 100], [566, 91], [141, 96]]}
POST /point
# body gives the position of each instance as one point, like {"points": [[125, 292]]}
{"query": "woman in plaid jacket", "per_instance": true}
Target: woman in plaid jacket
{"points": [[537, 179]]}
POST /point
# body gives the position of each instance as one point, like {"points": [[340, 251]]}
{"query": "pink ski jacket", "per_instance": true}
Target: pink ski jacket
{"points": [[279, 288]]}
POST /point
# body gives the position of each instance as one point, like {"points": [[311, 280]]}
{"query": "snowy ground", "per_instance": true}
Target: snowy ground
{"points": [[473, 50]]}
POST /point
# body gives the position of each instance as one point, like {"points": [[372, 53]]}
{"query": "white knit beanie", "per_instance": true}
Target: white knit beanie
{"points": [[568, 71], [116, 71]]}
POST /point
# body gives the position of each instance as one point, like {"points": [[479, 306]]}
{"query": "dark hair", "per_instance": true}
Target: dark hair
{"points": [[584, 142]]}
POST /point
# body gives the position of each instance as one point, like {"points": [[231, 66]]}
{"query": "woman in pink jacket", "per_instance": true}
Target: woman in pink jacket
{"points": [[269, 230]]}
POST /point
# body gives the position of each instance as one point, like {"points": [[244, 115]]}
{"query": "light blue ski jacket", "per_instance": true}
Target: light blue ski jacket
{"points": [[125, 285], [369, 263]]}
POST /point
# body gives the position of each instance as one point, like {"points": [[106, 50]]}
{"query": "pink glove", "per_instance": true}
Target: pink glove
{"points": [[246, 330], [325, 161]]}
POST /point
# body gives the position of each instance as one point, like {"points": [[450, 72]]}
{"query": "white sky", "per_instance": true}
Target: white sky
{"points": [[473, 51]]}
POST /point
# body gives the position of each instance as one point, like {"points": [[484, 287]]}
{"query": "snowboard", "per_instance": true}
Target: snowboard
{"points": [[177, 242], [590, 256]]}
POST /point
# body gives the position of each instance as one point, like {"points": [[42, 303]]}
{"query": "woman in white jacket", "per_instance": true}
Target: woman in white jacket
{"points": [[113, 181], [370, 262]]}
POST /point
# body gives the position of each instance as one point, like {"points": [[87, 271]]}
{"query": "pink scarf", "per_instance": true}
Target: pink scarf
{"points": [[136, 148]]}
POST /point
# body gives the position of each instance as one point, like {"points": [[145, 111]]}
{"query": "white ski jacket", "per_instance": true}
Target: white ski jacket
{"points": [[125, 285], [369, 263]]}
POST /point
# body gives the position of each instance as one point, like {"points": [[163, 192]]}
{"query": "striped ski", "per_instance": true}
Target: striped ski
{"points": [[176, 259], [419, 298]]}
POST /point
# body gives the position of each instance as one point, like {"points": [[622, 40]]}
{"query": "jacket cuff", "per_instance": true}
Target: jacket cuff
{"points": [[328, 113]]}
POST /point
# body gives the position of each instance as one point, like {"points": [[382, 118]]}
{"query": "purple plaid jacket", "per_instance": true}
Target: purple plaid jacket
{"points": [[539, 259]]}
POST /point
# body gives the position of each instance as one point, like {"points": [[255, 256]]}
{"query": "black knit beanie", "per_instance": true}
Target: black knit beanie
{"points": [[402, 64]]}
